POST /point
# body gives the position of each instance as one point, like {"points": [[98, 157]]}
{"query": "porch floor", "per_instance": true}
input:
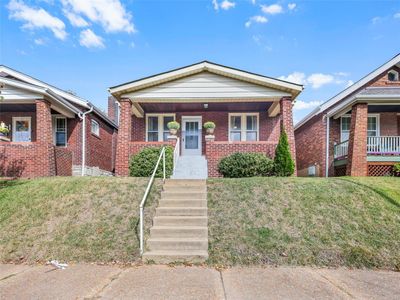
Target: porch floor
{"points": [[191, 167]]}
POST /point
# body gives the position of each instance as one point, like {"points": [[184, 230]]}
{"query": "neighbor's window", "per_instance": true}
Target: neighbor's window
{"points": [[60, 131], [345, 128], [157, 130], [95, 127], [393, 76], [372, 128], [21, 129], [243, 127]]}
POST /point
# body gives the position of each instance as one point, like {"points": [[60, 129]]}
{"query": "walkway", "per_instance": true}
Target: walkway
{"points": [[191, 167], [163, 282]]}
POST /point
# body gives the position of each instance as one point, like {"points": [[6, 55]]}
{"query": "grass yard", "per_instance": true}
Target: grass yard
{"points": [[352, 222], [72, 219]]}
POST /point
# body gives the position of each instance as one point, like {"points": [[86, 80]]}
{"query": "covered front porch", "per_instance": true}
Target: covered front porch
{"points": [[368, 136]]}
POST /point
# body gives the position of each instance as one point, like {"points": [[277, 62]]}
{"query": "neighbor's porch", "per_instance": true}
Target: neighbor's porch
{"points": [[369, 140]]}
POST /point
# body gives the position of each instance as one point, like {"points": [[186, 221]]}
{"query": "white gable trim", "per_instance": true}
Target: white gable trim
{"points": [[345, 93], [292, 88]]}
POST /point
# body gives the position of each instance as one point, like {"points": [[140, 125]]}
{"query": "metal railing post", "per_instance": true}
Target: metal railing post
{"points": [[141, 230], [164, 164]]}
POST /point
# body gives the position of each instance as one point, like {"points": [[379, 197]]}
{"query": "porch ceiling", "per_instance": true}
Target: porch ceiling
{"points": [[187, 107], [17, 107], [383, 108]]}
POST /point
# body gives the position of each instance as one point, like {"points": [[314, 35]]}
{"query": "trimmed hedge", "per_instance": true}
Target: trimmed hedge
{"points": [[143, 163], [240, 165]]}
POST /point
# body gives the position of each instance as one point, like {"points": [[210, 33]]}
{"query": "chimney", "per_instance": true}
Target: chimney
{"points": [[113, 109]]}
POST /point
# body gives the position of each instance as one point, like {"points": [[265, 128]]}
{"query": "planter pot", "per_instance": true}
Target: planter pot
{"points": [[173, 131], [210, 130]]}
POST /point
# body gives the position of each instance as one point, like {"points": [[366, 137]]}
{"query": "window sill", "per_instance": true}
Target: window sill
{"points": [[95, 135]]}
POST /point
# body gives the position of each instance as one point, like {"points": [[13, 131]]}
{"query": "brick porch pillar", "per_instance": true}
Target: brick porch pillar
{"points": [[286, 106], [124, 138], [44, 138], [357, 156]]}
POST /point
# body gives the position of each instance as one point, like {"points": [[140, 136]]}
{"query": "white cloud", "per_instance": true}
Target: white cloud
{"points": [[39, 41], [397, 15], [132, 45], [295, 77], [300, 105], [36, 18], [110, 14], [349, 83], [226, 4], [317, 80], [376, 20], [292, 6], [253, 2], [215, 4], [74, 19], [89, 39], [256, 19], [272, 9]]}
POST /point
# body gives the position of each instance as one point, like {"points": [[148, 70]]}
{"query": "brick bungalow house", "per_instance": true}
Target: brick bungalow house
{"points": [[360, 125], [46, 135], [248, 110]]}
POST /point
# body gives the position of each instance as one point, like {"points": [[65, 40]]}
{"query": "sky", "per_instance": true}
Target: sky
{"points": [[86, 46]]}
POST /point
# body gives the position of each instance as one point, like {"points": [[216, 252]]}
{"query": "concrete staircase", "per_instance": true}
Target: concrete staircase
{"points": [[180, 232]]}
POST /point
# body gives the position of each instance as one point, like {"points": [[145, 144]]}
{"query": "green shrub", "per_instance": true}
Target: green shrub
{"points": [[142, 164], [284, 164], [240, 165], [396, 169], [209, 125]]}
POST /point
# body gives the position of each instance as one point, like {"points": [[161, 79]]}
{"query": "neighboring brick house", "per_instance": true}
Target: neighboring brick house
{"points": [[46, 131], [248, 110], [360, 125]]}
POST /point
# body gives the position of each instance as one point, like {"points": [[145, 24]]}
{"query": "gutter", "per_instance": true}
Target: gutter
{"points": [[82, 116]]}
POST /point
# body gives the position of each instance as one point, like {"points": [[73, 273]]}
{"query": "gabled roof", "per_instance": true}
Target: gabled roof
{"points": [[67, 98], [205, 66], [350, 90]]}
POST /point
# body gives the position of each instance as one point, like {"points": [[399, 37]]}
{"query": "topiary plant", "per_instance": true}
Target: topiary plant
{"points": [[3, 128], [240, 165], [142, 164], [173, 125], [209, 125], [284, 164]]}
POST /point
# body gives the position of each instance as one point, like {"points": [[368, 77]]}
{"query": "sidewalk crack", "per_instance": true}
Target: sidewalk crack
{"points": [[223, 284], [97, 294]]}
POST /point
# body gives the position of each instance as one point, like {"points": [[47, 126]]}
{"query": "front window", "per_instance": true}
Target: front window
{"points": [[372, 128], [243, 127], [60, 131], [95, 127], [21, 129], [345, 122], [157, 130]]}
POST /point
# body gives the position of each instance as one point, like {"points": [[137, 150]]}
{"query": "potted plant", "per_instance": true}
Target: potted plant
{"points": [[3, 129], [173, 127], [209, 126]]}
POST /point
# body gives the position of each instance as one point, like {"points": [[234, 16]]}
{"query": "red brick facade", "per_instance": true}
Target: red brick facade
{"points": [[124, 138]]}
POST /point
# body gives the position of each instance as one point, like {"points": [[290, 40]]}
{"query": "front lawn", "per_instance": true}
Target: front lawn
{"points": [[90, 219], [331, 222]]}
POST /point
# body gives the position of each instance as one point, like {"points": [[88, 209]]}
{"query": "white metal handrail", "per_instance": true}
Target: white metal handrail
{"points": [[176, 153], [341, 150], [146, 193], [383, 145]]}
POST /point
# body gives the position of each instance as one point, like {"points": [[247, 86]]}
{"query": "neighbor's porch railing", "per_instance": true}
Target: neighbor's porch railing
{"points": [[341, 150], [389, 145], [146, 194]]}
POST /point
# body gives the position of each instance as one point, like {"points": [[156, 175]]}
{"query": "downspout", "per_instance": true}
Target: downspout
{"points": [[327, 147], [82, 116]]}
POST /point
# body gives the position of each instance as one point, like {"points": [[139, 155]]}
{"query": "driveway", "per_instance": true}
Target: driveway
{"points": [[163, 282]]}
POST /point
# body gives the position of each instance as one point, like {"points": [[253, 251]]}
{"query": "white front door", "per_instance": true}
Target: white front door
{"points": [[191, 135]]}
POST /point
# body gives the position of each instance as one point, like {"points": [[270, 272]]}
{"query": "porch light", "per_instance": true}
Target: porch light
{"points": [[205, 105]]}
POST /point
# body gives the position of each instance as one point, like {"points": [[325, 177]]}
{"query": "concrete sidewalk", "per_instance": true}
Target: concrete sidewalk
{"points": [[163, 282]]}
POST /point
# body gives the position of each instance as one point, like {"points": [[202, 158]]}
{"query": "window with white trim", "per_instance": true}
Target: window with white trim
{"points": [[95, 127], [345, 122], [243, 127], [372, 126], [393, 75], [156, 127], [60, 131], [21, 129]]}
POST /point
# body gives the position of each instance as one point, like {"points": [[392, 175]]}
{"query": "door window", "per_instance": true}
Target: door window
{"points": [[21, 129], [191, 135]]}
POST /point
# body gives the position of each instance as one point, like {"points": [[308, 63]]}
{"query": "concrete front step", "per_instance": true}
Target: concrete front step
{"points": [[180, 221], [179, 232], [168, 256], [184, 188], [182, 203], [156, 244], [181, 211], [184, 182], [184, 195]]}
